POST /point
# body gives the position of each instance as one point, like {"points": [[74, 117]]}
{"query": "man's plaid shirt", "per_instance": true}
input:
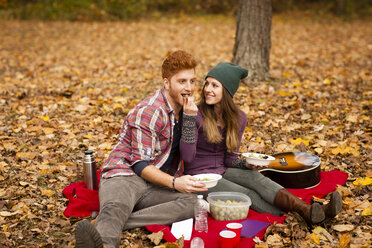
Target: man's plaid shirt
{"points": [[147, 134]]}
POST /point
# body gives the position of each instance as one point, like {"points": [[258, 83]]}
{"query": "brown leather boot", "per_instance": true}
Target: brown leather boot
{"points": [[334, 206], [286, 201], [87, 236]]}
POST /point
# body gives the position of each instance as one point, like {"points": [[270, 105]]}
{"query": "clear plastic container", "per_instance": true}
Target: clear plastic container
{"points": [[201, 215], [229, 205]]}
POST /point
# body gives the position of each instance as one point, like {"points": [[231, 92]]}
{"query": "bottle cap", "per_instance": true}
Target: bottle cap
{"points": [[200, 197], [88, 152]]}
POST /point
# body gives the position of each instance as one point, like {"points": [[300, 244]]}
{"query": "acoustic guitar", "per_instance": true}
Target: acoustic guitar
{"points": [[294, 170]]}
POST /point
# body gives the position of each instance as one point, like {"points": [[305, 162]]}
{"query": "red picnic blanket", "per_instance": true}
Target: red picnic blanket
{"points": [[83, 201]]}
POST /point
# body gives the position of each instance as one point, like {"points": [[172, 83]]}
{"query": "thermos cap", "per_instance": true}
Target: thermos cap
{"points": [[88, 152]]}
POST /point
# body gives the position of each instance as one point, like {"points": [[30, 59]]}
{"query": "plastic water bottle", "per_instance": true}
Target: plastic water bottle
{"points": [[201, 214]]}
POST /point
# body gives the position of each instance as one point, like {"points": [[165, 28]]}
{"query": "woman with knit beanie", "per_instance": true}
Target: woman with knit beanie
{"points": [[211, 136]]}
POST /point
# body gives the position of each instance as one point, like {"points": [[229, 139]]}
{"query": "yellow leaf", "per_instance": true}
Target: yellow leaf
{"points": [[315, 238], [45, 118], [322, 143], [247, 129], [117, 106], [344, 241], [352, 118], [323, 234], [367, 211], [305, 117], [105, 146], [7, 214], [298, 141], [106, 108], [343, 228], [316, 199], [23, 183], [5, 228], [34, 128], [47, 192], [284, 93], [345, 150], [319, 150], [336, 150], [156, 237], [124, 89], [363, 181], [9, 146], [26, 155], [89, 136], [287, 74], [327, 81], [43, 171]]}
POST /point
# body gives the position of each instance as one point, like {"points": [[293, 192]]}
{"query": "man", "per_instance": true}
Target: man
{"points": [[139, 181]]}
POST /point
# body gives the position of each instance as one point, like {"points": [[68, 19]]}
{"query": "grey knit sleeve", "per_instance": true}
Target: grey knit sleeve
{"points": [[188, 128], [240, 163]]}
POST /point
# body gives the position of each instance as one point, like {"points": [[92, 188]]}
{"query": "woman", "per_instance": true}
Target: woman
{"points": [[211, 136]]}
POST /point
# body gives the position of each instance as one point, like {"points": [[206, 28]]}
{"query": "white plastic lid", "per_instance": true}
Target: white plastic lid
{"points": [[200, 197]]}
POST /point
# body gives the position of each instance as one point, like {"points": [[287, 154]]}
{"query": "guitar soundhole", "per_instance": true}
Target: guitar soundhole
{"points": [[283, 162]]}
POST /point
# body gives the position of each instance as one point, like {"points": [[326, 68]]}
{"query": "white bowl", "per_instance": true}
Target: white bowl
{"points": [[210, 179], [258, 158]]}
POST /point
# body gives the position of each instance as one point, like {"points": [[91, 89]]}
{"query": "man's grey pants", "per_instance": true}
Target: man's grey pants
{"points": [[128, 202], [262, 190]]}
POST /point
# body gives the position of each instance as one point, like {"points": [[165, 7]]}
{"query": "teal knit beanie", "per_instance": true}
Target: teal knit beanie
{"points": [[229, 75]]}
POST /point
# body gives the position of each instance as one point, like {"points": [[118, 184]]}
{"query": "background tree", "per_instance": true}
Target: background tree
{"points": [[252, 40]]}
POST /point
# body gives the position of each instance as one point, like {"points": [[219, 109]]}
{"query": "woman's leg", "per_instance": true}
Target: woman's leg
{"points": [[255, 181], [276, 194], [258, 203]]}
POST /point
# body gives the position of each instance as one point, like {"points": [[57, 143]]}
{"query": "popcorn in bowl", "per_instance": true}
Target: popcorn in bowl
{"points": [[210, 179], [258, 158]]}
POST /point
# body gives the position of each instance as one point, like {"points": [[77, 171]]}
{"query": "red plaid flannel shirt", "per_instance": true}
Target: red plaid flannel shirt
{"points": [[147, 134]]}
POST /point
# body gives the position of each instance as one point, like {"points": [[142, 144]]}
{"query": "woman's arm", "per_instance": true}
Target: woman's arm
{"points": [[189, 138], [189, 135]]}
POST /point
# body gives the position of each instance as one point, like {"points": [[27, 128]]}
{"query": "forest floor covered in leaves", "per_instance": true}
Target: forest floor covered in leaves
{"points": [[65, 87]]}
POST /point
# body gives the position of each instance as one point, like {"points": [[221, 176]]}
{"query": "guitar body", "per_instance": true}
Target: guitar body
{"points": [[294, 170]]}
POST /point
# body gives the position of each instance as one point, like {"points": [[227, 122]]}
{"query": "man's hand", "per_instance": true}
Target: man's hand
{"points": [[189, 106], [185, 184], [189, 184]]}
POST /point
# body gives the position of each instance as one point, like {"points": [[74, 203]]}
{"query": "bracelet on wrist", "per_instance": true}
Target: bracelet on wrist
{"points": [[174, 179]]}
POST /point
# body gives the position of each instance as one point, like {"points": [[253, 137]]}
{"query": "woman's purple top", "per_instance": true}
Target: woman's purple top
{"points": [[202, 157]]}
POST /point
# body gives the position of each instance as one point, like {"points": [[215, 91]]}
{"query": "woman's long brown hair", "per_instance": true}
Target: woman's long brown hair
{"points": [[230, 114]]}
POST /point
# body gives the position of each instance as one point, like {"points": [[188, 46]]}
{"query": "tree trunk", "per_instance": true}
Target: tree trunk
{"points": [[252, 40]]}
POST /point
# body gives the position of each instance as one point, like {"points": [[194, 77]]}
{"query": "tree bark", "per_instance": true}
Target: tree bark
{"points": [[252, 39]]}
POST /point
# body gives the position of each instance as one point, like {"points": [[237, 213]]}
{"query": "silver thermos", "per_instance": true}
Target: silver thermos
{"points": [[90, 171]]}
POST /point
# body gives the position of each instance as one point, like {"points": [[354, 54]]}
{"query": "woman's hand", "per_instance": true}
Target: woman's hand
{"points": [[189, 106], [254, 167], [189, 184]]}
